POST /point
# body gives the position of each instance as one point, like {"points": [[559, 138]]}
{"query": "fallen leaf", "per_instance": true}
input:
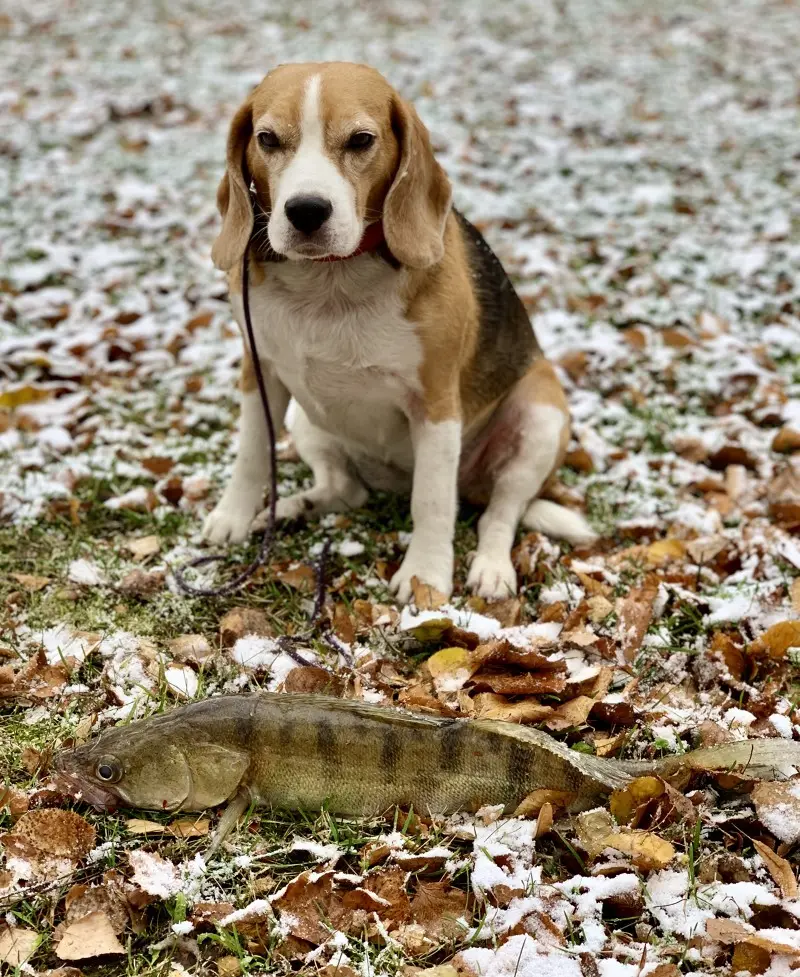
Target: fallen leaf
{"points": [[310, 907], [17, 945], [451, 668], [90, 936], [313, 678], [734, 931], [544, 822], [241, 621], [777, 640], [647, 850], [108, 898], [426, 598], [599, 608], [301, 577], [138, 826], [777, 805], [24, 394], [442, 910], [783, 495], [795, 595], [574, 712], [780, 870], [489, 705], [49, 838], [626, 802], [190, 827], [158, 465], [786, 441], [30, 582], [428, 630], [634, 613], [664, 551], [139, 583], [144, 546], [193, 648], [537, 799]]}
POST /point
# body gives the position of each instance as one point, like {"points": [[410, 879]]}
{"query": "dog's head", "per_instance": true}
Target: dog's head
{"points": [[331, 148]]}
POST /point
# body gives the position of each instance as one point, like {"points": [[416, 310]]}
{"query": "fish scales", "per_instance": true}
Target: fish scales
{"points": [[306, 752]]}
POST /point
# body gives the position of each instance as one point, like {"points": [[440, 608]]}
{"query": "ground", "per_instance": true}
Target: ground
{"points": [[636, 168]]}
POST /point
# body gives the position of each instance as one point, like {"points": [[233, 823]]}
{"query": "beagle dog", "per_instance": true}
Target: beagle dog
{"points": [[383, 312]]}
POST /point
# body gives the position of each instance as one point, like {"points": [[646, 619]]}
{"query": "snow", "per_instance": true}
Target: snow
{"points": [[86, 573], [484, 627]]}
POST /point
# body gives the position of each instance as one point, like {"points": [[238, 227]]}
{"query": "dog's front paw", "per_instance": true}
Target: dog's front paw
{"points": [[491, 577], [435, 571], [231, 519]]}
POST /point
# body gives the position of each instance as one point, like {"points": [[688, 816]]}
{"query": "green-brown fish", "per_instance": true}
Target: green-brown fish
{"points": [[353, 758]]}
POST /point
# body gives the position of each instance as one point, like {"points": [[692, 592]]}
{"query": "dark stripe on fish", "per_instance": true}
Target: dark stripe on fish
{"points": [[451, 751], [518, 763], [326, 744], [390, 752]]}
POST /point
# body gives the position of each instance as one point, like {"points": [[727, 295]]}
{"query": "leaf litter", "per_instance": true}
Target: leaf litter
{"points": [[633, 174]]}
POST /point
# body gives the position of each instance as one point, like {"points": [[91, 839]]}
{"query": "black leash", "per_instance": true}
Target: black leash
{"points": [[265, 547]]}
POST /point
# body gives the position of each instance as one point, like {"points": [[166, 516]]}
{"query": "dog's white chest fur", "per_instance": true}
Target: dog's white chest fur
{"points": [[337, 336]]}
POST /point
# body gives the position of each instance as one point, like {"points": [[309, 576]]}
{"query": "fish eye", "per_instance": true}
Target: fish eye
{"points": [[267, 139], [360, 140], [108, 770]]}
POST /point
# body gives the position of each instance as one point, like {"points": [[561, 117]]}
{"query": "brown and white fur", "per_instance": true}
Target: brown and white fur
{"points": [[413, 365]]}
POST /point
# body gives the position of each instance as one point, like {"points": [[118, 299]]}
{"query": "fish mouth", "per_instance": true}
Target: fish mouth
{"points": [[81, 788]]}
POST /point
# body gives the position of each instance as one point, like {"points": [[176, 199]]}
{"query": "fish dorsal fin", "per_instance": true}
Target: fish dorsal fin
{"points": [[300, 703]]}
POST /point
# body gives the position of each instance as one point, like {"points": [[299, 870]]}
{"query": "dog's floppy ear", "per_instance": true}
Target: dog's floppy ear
{"points": [[418, 201], [233, 193]]}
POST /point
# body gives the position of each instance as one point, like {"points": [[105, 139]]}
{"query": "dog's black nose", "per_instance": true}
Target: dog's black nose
{"points": [[308, 212]]}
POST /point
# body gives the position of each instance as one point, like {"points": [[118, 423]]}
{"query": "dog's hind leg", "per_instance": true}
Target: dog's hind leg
{"points": [[526, 442]]}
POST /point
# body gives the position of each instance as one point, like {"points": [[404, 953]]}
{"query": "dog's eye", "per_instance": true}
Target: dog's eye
{"points": [[268, 140], [360, 140]]}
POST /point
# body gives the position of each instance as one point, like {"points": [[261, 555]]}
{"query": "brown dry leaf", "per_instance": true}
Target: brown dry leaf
{"points": [[575, 712], [777, 640], [599, 608], [344, 626], [310, 906], [783, 495], [91, 936], [592, 829], [139, 583], [746, 957], [390, 885], [537, 799], [725, 648], [14, 800], [301, 577], [734, 931], [313, 678], [241, 621], [427, 598], [228, 967], [778, 808], [508, 612], [17, 945], [594, 588], [144, 546], [489, 705], [189, 827], [544, 822], [30, 582], [49, 838], [635, 612], [609, 745], [795, 594], [108, 898], [518, 683], [437, 907], [780, 870], [158, 465], [190, 648], [647, 850], [786, 441]]}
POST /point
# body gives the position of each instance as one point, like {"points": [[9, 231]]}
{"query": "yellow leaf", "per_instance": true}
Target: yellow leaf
{"points": [[17, 945], [625, 801], [664, 551], [450, 668], [31, 582], [138, 826], [646, 849], [537, 800], [25, 394], [430, 630], [777, 640]]}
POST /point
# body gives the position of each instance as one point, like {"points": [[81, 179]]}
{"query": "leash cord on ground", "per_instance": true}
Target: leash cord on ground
{"points": [[265, 547]]}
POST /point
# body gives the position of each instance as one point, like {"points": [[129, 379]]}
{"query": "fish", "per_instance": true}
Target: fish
{"points": [[310, 752]]}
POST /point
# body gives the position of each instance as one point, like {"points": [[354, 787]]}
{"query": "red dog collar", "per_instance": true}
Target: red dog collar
{"points": [[373, 238]]}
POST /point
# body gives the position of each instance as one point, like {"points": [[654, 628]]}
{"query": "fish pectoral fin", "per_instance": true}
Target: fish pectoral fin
{"points": [[216, 772], [239, 803]]}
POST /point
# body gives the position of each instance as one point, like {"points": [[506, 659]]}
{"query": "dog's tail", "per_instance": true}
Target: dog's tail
{"points": [[556, 520]]}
